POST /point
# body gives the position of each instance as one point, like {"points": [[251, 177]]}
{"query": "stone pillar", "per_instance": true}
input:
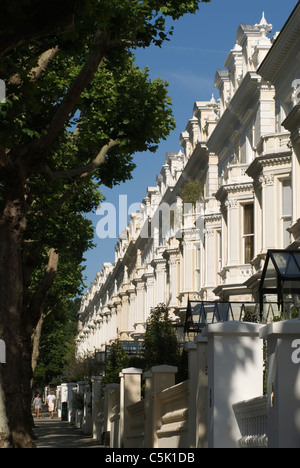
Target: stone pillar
{"points": [[292, 124], [198, 392], [235, 373], [162, 377], [130, 394], [233, 232], [67, 396], [201, 413], [124, 315], [139, 323], [268, 201], [148, 409], [58, 396], [96, 400], [191, 348], [283, 340], [108, 406]]}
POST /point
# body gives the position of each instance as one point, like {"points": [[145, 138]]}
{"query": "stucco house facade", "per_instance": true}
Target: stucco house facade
{"points": [[243, 152]]}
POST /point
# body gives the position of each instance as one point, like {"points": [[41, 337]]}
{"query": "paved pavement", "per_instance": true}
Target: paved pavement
{"points": [[54, 433]]}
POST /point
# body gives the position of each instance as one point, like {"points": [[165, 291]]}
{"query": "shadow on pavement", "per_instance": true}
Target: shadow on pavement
{"points": [[54, 433]]}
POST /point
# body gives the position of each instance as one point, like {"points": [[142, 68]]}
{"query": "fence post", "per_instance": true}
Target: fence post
{"points": [[191, 349], [201, 413], [163, 377], [67, 396], [283, 340], [149, 396], [235, 373], [96, 398], [130, 394]]}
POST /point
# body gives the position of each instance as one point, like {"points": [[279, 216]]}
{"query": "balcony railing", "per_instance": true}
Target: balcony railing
{"points": [[251, 417]]}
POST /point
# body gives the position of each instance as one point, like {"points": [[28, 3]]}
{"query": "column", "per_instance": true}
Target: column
{"points": [[235, 373], [160, 378], [96, 399], [66, 398], [269, 215], [283, 341], [160, 283], [132, 304], [292, 125], [139, 324], [173, 256], [124, 316], [191, 348], [234, 232], [201, 412], [198, 392], [149, 299], [130, 394]]}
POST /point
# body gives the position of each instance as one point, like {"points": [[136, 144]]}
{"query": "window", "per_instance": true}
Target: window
{"points": [[286, 217], [248, 233]]}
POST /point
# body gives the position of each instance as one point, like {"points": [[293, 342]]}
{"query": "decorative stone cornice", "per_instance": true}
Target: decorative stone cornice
{"points": [[282, 48], [292, 124], [270, 160], [226, 190]]}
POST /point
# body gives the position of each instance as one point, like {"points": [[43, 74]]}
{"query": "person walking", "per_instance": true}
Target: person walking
{"points": [[51, 402], [37, 405]]}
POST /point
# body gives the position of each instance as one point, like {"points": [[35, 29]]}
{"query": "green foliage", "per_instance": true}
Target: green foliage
{"points": [[160, 342], [116, 361], [54, 124], [59, 331], [192, 192]]}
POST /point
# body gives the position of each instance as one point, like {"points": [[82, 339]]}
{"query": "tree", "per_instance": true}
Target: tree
{"points": [[160, 345], [116, 360], [192, 192], [53, 78]]}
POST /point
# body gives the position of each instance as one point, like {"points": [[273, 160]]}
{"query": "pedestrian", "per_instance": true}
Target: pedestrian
{"points": [[50, 402], [37, 405]]}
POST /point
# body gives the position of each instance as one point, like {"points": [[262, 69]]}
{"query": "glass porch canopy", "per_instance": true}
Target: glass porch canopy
{"points": [[281, 278], [201, 313]]}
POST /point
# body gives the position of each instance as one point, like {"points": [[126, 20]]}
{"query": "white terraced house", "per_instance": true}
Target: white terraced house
{"points": [[207, 254]]}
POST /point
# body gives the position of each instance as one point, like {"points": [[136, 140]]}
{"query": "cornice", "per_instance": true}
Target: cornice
{"points": [[226, 190], [292, 124], [268, 161], [234, 112], [283, 47]]}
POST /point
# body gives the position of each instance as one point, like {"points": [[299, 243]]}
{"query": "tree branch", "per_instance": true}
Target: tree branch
{"points": [[36, 151], [43, 63], [44, 60], [86, 170], [40, 295]]}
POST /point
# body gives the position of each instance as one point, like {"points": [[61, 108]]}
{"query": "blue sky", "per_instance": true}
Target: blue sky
{"points": [[198, 48]]}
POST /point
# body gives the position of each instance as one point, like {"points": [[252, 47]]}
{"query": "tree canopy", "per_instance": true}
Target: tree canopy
{"points": [[77, 109]]}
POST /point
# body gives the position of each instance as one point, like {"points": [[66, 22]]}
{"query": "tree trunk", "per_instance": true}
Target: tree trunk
{"points": [[36, 342], [5, 436], [12, 226]]}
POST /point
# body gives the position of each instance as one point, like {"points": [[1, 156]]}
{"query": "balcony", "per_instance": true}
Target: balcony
{"points": [[274, 144]]}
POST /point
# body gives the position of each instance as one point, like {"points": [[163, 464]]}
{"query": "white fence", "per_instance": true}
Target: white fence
{"points": [[221, 405]]}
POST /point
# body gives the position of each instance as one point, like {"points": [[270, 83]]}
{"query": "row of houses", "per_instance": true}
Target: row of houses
{"points": [[219, 205]]}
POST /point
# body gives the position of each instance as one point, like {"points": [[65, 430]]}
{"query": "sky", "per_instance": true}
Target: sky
{"points": [[198, 48]]}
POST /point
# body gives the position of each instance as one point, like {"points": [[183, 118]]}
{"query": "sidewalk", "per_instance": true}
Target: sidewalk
{"points": [[54, 433]]}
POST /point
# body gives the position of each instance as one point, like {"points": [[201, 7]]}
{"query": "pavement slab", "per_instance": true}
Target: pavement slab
{"points": [[54, 433]]}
